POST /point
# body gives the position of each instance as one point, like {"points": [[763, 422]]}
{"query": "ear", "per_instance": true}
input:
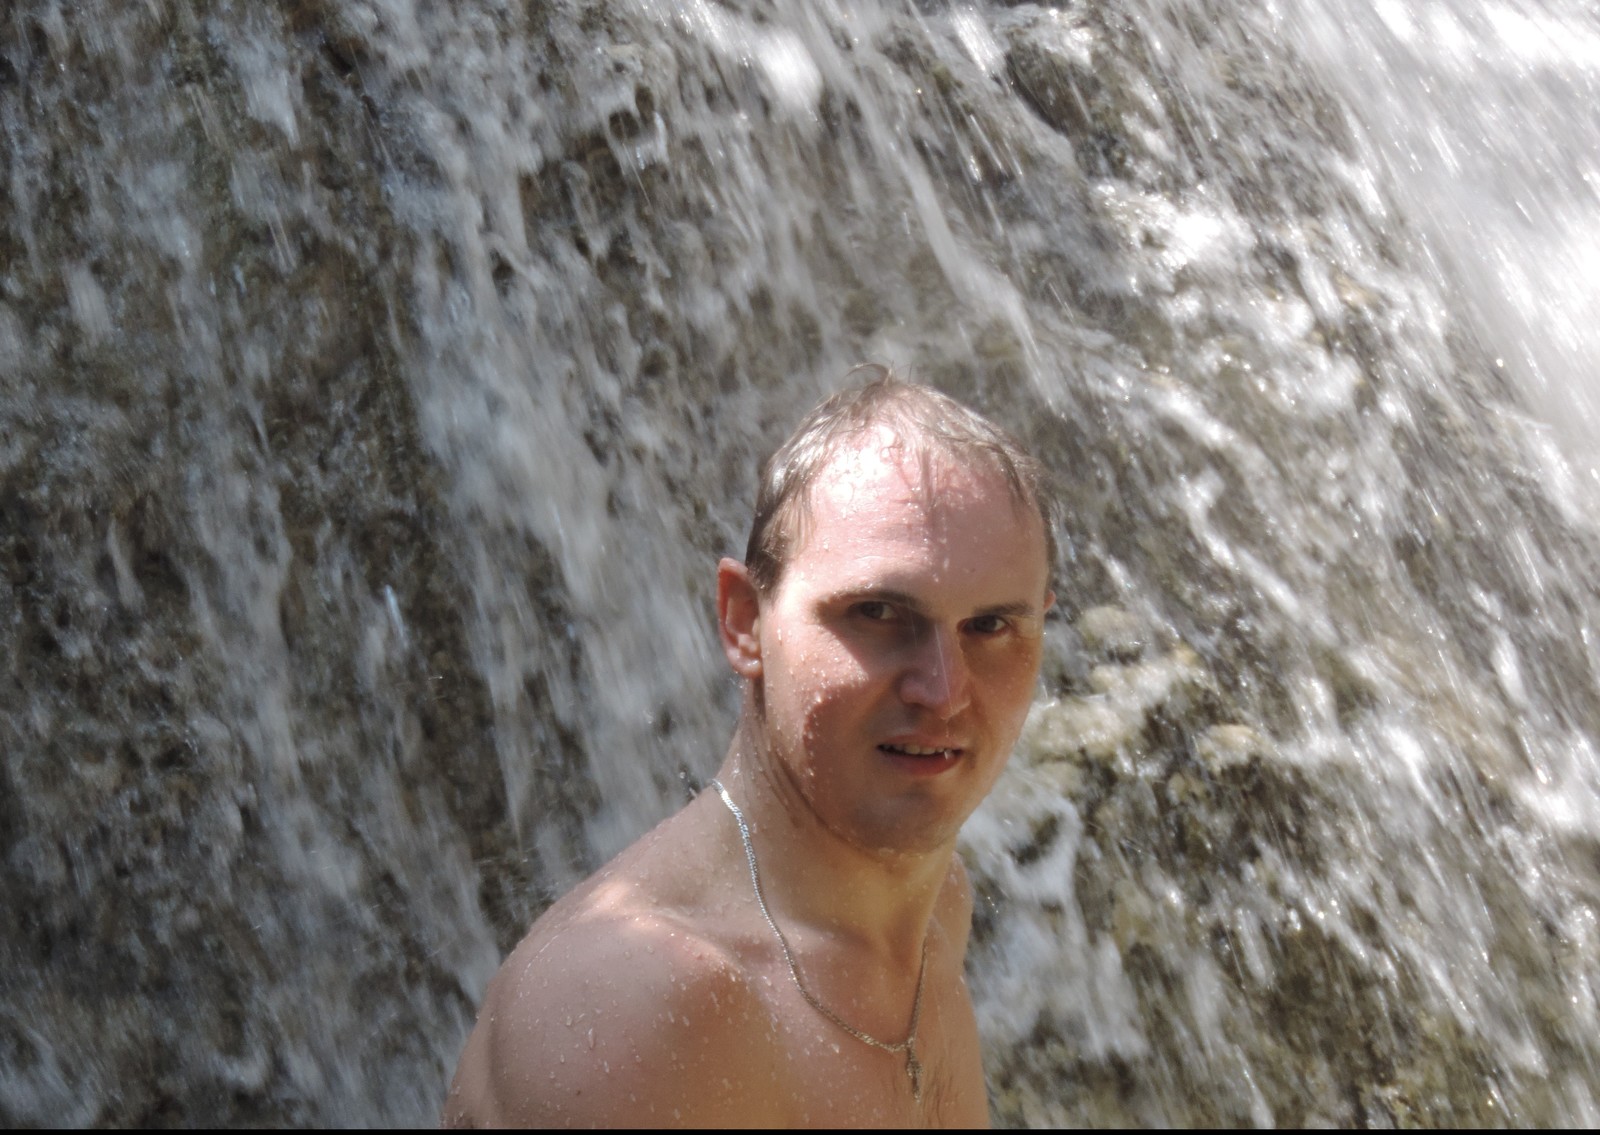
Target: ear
{"points": [[739, 618]]}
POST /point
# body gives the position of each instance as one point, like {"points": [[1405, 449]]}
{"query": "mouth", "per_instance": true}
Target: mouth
{"points": [[918, 751], [921, 759]]}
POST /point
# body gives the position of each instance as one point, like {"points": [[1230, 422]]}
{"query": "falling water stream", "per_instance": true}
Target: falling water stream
{"points": [[379, 381]]}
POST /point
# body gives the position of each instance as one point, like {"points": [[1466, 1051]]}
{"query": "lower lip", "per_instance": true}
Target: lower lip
{"points": [[922, 766]]}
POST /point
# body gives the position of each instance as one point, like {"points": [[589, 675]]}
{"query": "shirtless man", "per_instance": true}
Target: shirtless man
{"points": [[787, 950]]}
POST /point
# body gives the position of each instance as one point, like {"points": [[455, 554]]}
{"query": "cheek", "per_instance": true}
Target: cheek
{"points": [[813, 685], [833, 699], [819, 666], [1011, 679]]}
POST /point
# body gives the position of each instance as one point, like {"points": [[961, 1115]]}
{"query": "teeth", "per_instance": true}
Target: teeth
{"points": [[915, 750]]}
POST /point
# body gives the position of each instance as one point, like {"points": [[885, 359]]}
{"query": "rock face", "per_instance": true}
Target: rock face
{"points": [[378, 383], [1230, 959], [244, 748]]}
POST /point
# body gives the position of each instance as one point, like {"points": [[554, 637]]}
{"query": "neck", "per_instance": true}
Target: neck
{"points": [[817, 878]]}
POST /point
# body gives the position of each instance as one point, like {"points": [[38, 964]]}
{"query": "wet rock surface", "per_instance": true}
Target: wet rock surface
{"points": [[239, 739], [1224, 963], [378, 383]]}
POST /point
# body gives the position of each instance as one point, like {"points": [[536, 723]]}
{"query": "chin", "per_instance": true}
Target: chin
{"points": [[921, 824]]}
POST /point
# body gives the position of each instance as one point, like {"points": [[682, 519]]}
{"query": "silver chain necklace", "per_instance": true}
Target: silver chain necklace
{"points": [[907, 1046]]}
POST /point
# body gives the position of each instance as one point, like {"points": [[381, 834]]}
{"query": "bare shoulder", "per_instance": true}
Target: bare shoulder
{"points": [[610, 1018]]}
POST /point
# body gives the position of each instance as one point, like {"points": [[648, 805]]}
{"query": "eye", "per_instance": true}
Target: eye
{"points": [[987, 626], [875, 611]]}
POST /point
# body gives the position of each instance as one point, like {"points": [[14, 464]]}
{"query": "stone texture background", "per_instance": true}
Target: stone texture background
{"points": [[376, 381]]}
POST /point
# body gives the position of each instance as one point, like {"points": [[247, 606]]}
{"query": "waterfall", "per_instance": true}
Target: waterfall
{"points": [[379, 382]]}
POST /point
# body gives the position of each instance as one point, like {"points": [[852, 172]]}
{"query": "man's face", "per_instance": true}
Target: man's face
{"points": [[900, 647]]}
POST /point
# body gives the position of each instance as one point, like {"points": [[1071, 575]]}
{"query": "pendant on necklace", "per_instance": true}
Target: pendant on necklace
{"points": [[914, 1070]]}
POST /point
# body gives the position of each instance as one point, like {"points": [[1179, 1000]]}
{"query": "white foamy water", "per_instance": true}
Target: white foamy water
{"points": [[379, 382]]}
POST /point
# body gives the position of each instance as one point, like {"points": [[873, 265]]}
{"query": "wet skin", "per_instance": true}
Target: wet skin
{"points": [[887, 676]]}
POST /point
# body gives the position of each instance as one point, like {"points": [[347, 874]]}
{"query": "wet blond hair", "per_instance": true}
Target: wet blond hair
{"points": [[923, 419]]}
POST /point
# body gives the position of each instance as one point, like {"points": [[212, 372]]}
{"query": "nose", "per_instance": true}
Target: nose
{"points": [[936, 678]]}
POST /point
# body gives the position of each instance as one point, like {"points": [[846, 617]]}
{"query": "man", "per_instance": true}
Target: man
{"points": [[787, 950]]}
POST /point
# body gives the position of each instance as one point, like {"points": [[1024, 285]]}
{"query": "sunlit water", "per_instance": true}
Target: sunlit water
{"points": [[380, 381]]}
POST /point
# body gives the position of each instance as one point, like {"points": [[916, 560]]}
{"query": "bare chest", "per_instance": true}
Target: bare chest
{"points": [[830, 1078]]}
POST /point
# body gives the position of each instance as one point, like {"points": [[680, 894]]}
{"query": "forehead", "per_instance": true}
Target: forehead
{"points": [[881, 498]]}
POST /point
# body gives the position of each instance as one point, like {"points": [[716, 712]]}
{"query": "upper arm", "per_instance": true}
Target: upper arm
{"points": [[619, 1028]]}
